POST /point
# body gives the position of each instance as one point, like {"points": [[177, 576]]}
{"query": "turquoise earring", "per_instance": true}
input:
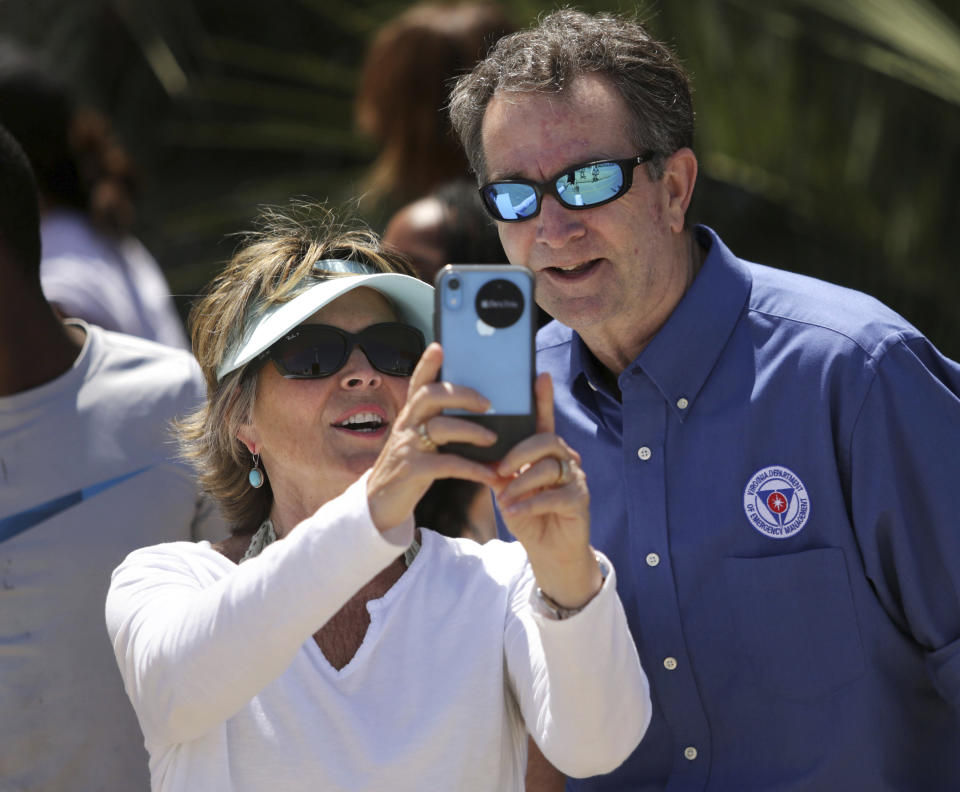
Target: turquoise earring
{"points": [[255, 477]]}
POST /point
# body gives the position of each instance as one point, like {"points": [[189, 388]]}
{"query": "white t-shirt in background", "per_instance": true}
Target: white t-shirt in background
{"points": [[86, 476]]}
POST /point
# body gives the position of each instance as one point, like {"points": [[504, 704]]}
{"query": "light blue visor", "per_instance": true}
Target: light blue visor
{"points": [[412, 299]]}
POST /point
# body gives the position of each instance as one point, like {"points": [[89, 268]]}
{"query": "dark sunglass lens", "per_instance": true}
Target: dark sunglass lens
{"points": [[591, 184], [511, 201], [310, 354], [392, 349]]}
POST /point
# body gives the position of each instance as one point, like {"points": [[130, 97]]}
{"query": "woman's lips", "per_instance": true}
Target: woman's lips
{"points": [[363, 421]]}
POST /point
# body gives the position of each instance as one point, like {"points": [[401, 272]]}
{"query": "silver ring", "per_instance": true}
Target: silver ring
{"points": [[565, 475], [426, 442]]}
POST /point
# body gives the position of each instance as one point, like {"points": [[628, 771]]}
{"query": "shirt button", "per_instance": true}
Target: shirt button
{"points": [[670, 663], [652, 559], [644, 453], [682, 403], [690, 753]]}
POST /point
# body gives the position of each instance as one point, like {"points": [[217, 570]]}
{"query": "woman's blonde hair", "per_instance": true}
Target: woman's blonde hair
{"points": [[275, 262]]}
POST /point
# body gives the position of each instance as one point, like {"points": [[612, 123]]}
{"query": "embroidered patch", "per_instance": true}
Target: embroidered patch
{"points": [[776, 502]]}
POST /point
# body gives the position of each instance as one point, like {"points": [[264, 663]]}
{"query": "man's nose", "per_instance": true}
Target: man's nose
{"points": [[556, 224]]}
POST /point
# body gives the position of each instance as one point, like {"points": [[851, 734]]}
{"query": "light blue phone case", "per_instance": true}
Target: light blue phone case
{"points": [[487, 330]]}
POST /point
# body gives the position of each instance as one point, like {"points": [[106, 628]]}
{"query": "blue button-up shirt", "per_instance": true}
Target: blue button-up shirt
{"points": [[778, 486]]}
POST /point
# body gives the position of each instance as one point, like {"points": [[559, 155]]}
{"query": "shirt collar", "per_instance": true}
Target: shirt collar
{"points": [[684, 351]]}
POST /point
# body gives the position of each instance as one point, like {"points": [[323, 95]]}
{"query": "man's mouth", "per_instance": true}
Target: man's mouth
{"points": [[362, 422], [573, 270]]}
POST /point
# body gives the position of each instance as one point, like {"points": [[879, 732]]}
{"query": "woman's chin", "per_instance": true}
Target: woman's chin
{"points": [[354, 465]]}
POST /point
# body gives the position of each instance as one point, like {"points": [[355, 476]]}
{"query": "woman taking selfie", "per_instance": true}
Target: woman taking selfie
{"points": [[328, 644]]}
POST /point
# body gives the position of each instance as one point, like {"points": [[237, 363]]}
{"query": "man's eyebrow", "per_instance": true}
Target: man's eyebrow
{"points": [[508, 176], [515, 175]]}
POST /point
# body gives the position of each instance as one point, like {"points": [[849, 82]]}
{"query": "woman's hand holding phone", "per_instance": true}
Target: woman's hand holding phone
{"points": [[409, 462], [539, 486]]}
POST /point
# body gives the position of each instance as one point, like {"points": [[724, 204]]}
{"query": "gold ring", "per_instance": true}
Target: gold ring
{"points": [[426, 442], [566, 472]]}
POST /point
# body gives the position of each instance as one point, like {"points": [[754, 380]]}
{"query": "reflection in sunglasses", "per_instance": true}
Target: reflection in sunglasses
{"points": [[593, 183]]}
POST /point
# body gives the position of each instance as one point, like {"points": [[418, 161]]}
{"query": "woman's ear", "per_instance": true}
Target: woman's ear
{"points": [[248, 435]]}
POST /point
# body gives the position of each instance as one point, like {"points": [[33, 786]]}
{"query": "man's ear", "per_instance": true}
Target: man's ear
{"points": [[679, 177]]}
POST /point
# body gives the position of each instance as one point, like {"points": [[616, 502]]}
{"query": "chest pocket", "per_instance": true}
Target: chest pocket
{"points": [[796, 620]]}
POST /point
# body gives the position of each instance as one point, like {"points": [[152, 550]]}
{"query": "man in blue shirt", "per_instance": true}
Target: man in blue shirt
{"points": [[773, 459]]}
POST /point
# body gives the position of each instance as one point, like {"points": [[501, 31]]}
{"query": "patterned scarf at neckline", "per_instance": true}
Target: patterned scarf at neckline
{"points": [[265, 535]]}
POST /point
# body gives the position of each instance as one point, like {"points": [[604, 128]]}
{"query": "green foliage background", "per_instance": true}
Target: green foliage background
{"points": [[828, 130]]}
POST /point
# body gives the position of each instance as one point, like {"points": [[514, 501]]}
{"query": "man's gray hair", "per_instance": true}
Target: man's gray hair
{"points": [[565, 45]]}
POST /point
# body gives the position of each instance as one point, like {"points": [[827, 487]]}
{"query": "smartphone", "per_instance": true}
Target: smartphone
{"points": [[484, 317]]}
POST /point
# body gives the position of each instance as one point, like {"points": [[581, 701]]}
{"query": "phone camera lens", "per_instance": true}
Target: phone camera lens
{"points": [[454, 284]]}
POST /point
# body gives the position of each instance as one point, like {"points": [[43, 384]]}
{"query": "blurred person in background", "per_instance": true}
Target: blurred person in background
{"points": [[773, 457], [447, 226], [87, 474], [92, 268], [330, 644], [403, 91]]}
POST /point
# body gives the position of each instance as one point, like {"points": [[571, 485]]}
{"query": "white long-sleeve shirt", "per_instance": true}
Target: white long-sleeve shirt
{"points": [[232, 692]]}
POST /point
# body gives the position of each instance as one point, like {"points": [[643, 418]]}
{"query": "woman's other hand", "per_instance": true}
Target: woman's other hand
{"points": [[543, 498]]}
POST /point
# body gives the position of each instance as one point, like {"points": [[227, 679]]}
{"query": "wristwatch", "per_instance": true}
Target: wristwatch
{"points": [[556, 610]]}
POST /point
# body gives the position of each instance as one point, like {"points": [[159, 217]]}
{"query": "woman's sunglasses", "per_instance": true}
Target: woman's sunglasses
{"points": [[311, 351], [580, 187]]}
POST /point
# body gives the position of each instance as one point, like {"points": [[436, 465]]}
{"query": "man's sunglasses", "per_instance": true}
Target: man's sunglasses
{"points": [[580, 187], [311, 351]]}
